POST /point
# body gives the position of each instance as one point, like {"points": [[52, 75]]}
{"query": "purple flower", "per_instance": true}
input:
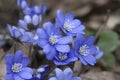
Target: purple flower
{"points": [[21, 35], [17, 67], [51, 40], [33, 20], [85, 50], [67, 74], [68, 24], [64, 58]]}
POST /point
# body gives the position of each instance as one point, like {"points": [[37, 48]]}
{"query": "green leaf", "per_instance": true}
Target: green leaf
{"points": [[109, 59], [108, 41]]}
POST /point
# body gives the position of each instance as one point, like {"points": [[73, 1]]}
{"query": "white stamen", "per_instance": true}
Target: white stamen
{"points": [[84, 50], [62, 56], [53, 39], [17, 67], [68, 25]]}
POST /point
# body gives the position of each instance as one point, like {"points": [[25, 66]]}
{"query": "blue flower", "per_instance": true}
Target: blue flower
{"points": [[15, 32], [33, 20], [68, 24], [67, 74], [51, 40], [21, 35], [85, 50], [17, 67], [64, 58], [28, 10]]}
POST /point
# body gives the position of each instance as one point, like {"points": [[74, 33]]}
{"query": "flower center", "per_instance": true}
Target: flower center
{"points": [[17, 67], [84, 50], [62, 56], [53, 39], [68, 25]]}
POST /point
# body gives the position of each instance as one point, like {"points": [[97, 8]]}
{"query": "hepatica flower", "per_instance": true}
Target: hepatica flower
{"points": [[67, 74], [51, 40], [29, 21], [17, 67], [68, 24], [28, 10], [64, 58], [20, 34], [85, 50]]}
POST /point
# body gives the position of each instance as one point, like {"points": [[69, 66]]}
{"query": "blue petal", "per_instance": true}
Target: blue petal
{"points": [[53, 78], [35, 20], [72, 57], [90, 40], [27, 69], [43, 9], [24, 4], [60, 16], [18, 56], [17, 33], [49, 51], [76, 78], [68, 74], [78, 30], [27, 19], [10, 30], [36, 9], [99, 54], [90, 60], [62, 48], [25, 75], [25, 61], [78, 42], [65, 40], [59, 74], [46, 49], [93, 50], [42, 42], [60, 62], [48, 26], [8, 68], [17, 77], [9, 59], [24, 38], [41, 33], [22, 24], [82, 59], [27, 10], [76, 23], [9, 77], [69, 16]]}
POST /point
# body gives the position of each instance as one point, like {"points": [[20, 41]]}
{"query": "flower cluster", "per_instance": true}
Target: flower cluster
{"points": [[62, 42]]}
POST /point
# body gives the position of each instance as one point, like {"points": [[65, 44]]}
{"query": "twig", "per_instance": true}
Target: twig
{"points": [[30, 51], [101, 27]]}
